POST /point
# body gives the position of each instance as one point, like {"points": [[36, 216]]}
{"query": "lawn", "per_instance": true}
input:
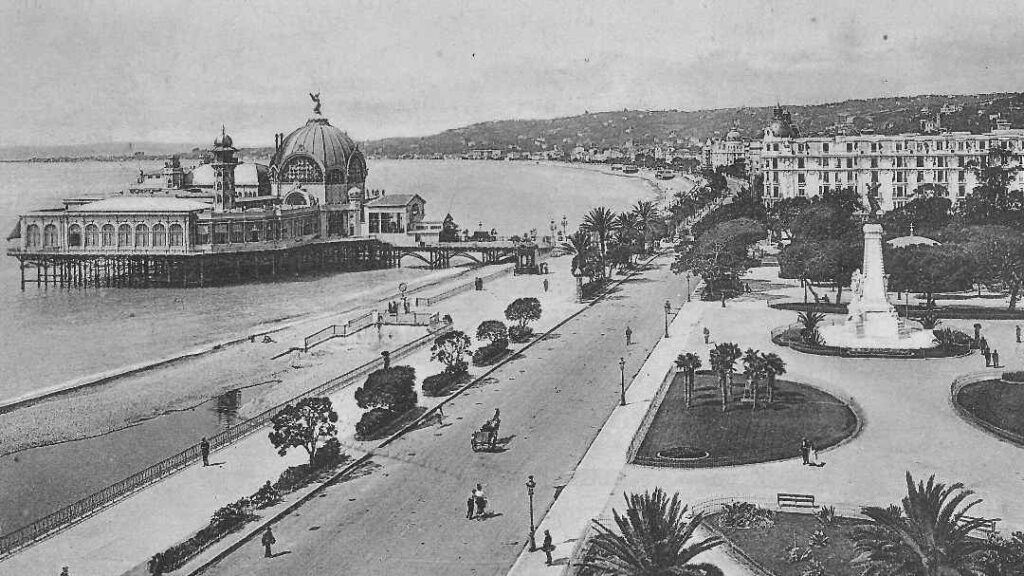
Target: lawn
{"points": [[995, 402], [741, 435], [769, 546]]}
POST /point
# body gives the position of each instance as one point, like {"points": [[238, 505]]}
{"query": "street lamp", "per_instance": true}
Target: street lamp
{"points": [[530, 485], [622, 381], [668, 310], [565, 222], [687, 286]]}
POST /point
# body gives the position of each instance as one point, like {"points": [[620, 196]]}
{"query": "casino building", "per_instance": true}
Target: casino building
{"points": [[796, 166], [226, 220]]}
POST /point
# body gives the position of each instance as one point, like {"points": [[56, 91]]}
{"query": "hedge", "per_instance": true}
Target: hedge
{"points": [[520, 333], [487, 355]]}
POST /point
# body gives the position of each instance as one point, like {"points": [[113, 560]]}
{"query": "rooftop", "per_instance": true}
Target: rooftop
{"points": [[393, 200], [143, 204]]}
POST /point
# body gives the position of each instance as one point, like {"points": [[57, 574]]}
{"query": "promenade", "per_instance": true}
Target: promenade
{"points": [[908, 424]]}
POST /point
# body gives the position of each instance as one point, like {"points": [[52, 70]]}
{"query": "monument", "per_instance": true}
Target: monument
{"points": [[871, 321]]}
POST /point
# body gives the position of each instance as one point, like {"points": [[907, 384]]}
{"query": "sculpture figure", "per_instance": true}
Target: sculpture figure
{"points": [[316, 102]]}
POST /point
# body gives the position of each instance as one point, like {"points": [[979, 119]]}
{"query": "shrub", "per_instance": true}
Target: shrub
{"points": [[520, 333], [491, 353], [293, 478], [1014, 376], [492, 331], [796, 554], [449, 349], [438, 384], [826, 516], [265, 497], [392, 389], [329, 455], [746, 515], [929, 319], [373, 421], [818, 539], [522, 311], [224, 521]]}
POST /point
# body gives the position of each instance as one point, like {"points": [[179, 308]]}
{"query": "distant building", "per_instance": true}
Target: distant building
{"points": [[733, 149], [797, 166]]}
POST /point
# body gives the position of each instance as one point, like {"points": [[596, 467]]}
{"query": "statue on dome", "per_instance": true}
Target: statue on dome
{"points": [[316, 102]]}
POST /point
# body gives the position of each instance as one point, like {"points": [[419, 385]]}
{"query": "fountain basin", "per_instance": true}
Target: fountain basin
{"points": [[844, 336]]}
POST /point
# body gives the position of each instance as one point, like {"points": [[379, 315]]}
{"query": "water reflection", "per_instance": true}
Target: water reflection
{"points": [[226, 407]]}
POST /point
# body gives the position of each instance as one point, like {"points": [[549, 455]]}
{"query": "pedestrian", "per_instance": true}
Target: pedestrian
{"points": [[1018, 333], [812, 455], [405, 306], [547, 547], [204, 449], [440, 414], [988, 356], [746, 287], [629, 335], [268, 541], [470, 505], [995, 358], [546, 289], [984, 344], [481, 501], [386, 355], [805, 451], [64, 571], [707, 334]]}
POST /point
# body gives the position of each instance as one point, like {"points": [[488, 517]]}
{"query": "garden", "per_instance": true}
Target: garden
{"points": [[997, 403], [715, 418]]}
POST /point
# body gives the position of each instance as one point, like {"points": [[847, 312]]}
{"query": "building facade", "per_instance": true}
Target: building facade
{"points": [[898, 165], [733, 149]]}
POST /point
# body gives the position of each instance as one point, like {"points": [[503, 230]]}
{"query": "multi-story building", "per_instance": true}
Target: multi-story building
{"points": [[796, 166], [731, 150]]}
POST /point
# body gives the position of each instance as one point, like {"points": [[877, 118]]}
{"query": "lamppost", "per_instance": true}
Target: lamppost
{"points": [[687, 286], [530, 485], [622, 381], [668, 310], [565, 222]]}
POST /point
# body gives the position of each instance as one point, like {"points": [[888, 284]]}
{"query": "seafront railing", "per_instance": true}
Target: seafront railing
{"points": [[465, 287], [94, 503]]}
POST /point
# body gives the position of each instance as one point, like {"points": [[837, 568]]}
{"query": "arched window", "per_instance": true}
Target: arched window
{"points": [[74, 236], [124, 236], [302, 169], [159, 236], [176, 236], [141, 236], [32, 236], [295, 199], [50, 236], [92, 236], [108, 236]]}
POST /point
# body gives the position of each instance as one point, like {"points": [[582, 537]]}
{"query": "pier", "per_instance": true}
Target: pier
{"points": [[198, 268], [440, 254]]}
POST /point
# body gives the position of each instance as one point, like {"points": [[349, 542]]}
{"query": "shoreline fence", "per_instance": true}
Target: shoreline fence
{"points": [[72, 514], [465, 287], [354, 325]]}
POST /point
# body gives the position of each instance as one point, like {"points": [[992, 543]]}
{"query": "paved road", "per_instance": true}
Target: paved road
{"points": [[406, 513]]}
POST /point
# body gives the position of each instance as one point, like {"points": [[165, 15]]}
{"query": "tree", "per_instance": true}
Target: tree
{"points": [[654, 540], [929, 535], [809, 322], [774, 366], [992, 201], [689, 363], [647, 214], [753, 368], [449, 349], [720, 254], [601, 222], [581, 246], [827, 246], [449, 230], [723, 361], [391, 389], [522, 311], [998, 256], [926, 215], [493, 331], [929, 269], [305, 425], [782, 214]]}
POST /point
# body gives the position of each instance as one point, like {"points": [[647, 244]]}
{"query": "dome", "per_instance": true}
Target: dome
{"points": [[780, 129], [912, 240], [319, 152], [733, 135], [224, 141]]}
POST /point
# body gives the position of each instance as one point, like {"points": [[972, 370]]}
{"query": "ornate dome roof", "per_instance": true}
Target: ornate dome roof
{"points": [[330, 148], [733, 135]]}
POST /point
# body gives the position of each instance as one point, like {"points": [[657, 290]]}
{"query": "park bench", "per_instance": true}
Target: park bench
{"points": [[786, 500], [988, 528]]}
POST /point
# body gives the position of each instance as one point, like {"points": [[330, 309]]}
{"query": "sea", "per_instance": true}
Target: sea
{"points": [[52, 336]]}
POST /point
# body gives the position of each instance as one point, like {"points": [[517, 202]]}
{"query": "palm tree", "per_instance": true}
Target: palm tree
{"points": [[580, 246], [601, 222], [774, 366], [646, 213], [628, 229], [654, 540], [928, 536], [689, 362], [809, 330], [753, 367], [723, 359]]}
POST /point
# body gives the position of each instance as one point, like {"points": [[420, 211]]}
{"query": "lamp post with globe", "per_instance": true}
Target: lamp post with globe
{"points": [[668, 310], [530, 486], [622, 381]]}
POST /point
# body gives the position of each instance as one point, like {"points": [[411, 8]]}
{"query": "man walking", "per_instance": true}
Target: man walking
{"points": [[988, 356], [546, 289], [268, 541], [470, 505], [1018, 333], [547, 547], [204, 449], [629, 335], [995, 358], [805, 451], [707, 334]]}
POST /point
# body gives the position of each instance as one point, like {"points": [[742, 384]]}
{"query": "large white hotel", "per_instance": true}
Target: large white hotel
{"points": [[796, 166]]}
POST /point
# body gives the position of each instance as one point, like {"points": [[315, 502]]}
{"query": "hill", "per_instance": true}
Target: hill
{"points": [[973, 113]]}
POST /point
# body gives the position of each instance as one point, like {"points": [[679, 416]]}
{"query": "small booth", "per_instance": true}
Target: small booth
{"points": [[526, 259]]}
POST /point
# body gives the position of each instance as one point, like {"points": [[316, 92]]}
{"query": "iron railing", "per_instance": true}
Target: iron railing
{"points": [[460, 288], [90, 505], [347, 329]]}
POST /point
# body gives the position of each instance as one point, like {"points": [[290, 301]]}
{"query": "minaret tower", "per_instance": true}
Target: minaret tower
{"points": [[224, 163]]}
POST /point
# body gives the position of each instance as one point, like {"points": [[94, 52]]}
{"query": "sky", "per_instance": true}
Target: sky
{"points": [[175, 70]]}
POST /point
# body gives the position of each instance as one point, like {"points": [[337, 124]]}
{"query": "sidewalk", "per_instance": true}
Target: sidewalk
{"points": [[127, 534]]}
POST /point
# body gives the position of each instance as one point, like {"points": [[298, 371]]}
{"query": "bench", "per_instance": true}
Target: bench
{"points": [[785, 500], [988, 527]]}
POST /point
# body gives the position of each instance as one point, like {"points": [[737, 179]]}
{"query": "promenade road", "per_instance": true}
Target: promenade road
{"points": [[408, 514]]}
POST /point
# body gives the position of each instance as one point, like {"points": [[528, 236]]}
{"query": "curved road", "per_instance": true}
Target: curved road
{"points": [[405, 513]]}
